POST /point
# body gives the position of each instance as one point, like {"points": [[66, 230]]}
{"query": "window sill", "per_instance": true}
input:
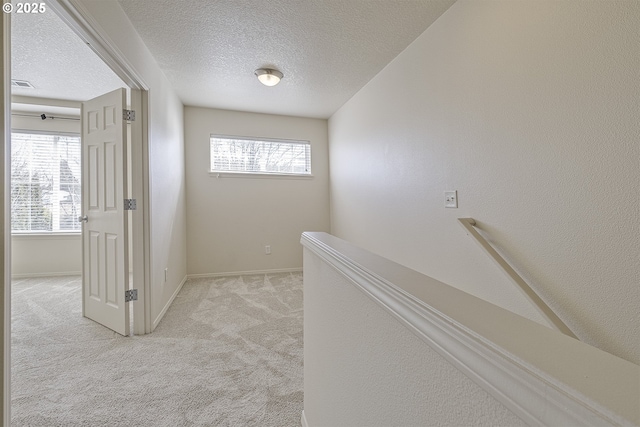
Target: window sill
{"points": [[261, 175], [45, 236]]}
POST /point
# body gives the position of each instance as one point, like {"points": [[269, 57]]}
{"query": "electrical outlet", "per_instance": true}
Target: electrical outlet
{"points": [[451, 199], [267, 249]]}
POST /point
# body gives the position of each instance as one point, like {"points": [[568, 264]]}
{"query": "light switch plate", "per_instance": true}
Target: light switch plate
{"points": [[451, 199]]}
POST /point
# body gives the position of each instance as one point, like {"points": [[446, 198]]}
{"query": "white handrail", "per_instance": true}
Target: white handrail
{"points": [[543, 308], [545, 378]]}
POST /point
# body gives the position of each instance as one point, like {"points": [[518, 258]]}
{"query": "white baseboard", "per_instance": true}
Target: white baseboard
{"points": [[245, 273], [168, 304], [55, 274], [303, 420]]}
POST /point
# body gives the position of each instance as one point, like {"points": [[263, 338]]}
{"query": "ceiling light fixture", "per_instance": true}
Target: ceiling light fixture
{"points": [[268, 76]]}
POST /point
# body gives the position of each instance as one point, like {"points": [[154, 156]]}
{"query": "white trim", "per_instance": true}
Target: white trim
{"points": [[261, 138], [140, 217], [303, 420], [168, 304], [76, 16], [513, 377], [5, 222], [258, 175], [245, 273], [54, 274], [46, 236]]}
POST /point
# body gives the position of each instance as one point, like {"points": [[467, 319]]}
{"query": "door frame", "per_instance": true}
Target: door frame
{"points": [[5, 221], [81, 22]]}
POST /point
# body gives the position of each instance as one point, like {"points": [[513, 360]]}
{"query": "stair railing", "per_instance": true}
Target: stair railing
{"points": [[539, 304]]}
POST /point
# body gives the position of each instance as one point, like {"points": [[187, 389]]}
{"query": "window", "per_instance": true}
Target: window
{"points": [[260, 156], [45, 182]]}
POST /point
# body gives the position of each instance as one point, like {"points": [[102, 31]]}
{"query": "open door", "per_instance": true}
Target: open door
{"points": [[105, 260]]}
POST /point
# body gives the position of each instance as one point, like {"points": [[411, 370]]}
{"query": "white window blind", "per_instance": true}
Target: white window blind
{"points": [[45, 182], [260, 156]]}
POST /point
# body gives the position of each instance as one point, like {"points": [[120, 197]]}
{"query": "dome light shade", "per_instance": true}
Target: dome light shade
{"points": [[268, 76]]}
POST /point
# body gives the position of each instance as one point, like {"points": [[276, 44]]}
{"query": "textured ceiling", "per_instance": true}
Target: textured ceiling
{"points": [[327, 49], [48, 54]]}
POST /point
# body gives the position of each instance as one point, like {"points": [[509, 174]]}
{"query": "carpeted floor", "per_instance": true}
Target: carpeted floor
{"points": [[227, 353]]}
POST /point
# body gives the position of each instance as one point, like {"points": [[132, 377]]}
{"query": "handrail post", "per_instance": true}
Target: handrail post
{"points": [[546, 311]]}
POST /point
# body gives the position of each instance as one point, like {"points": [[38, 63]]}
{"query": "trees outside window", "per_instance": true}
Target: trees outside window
{"points": [[260, 156], [45, 182]]}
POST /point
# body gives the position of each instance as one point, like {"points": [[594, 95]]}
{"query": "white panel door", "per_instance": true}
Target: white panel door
{"points": [[104, 233]]}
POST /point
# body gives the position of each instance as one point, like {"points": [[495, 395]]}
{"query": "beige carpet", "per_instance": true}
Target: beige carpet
{"points": [[227, 353]]}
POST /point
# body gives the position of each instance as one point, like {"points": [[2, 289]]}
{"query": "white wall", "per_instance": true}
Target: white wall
{"points": [[36, 255], [166, 155], [362, 367], [530, 111], [231, 219], [42, 255], [403, 348]]}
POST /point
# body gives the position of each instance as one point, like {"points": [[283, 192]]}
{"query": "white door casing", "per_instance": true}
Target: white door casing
{"points": [[105, 269]]}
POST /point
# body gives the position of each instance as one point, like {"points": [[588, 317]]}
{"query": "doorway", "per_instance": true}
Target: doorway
{"points": [[46, 200], [139, 156]]}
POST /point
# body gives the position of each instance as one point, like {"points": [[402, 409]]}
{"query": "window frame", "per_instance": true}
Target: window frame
{"points": [[44, 233], [260, 174]]}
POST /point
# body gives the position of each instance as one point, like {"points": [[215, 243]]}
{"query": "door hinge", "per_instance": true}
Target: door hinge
{"points": [[129, 115], [130, 204], [131, 295]]}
